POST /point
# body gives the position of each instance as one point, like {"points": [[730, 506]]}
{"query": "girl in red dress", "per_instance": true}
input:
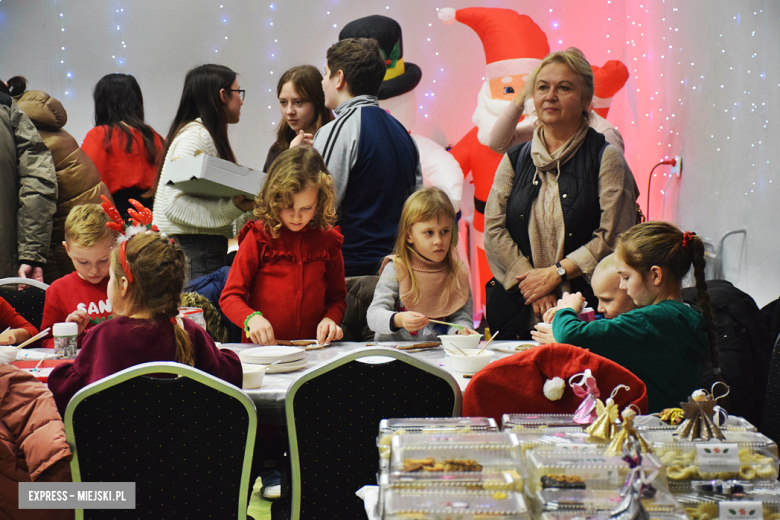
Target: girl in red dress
{"points": [[287, 280]]}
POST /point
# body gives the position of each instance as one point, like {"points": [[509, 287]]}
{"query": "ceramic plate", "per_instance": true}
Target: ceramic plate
{"points": [[514, 348], [289, 367], [271, 353]]}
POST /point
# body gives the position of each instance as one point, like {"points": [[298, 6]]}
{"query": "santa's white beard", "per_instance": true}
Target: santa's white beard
{"points": [[488, 110]]}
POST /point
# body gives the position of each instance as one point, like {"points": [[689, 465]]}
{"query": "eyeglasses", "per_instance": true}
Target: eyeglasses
{"points": [[241, 92]]}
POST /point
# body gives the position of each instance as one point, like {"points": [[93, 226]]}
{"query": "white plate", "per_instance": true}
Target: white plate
{"points": [[513, 348], [290, 367], [271, 353]]}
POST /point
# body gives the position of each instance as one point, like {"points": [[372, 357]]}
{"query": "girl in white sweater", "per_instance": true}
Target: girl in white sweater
{"points": [[211, 99]]}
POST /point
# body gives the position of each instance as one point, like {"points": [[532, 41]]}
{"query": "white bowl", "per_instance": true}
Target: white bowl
{"points": [[544, 327], [471, 362], [253, 375], [459, 340]]}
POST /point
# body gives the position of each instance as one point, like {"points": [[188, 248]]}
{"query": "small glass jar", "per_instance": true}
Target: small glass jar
{"points": [[65, 335], [193, 313]]}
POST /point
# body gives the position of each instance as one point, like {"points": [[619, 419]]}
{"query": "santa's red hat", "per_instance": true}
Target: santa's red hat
{"points": [[515, 384], [513, 43]]}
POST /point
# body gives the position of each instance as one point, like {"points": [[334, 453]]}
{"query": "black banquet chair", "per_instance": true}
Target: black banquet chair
{"points": [[183, 436], [770, 423], [29, 302], [333, 415]]}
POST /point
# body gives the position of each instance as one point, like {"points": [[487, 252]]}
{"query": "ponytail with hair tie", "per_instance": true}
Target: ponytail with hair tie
{"points": [[687, 238]]}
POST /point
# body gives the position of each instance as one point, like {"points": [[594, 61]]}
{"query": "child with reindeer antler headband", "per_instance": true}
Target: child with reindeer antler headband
{"points": [[146, 280], [82, 295]]}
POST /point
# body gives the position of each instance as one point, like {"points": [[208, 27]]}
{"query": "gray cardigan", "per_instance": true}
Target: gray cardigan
{"points": [[385, 304]]}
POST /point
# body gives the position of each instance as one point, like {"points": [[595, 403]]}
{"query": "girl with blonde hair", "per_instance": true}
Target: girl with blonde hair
{"points": [[287, 280], [424, 279]]}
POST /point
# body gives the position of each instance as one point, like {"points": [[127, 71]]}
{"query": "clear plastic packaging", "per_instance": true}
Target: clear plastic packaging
{"points": [[604, 515], [446, 453], [430, 425], [581, 469], [707, 506], [748, 456], [558, 438], [593, 500], [453, 504], [535, 423], [651, 422]]}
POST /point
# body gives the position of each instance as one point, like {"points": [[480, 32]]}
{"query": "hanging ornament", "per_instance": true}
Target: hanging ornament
{"points": [[587, 389], [603, 427], [699, 414], [626, 433]]}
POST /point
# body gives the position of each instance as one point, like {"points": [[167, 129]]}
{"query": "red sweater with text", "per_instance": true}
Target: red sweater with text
{"points": [[71, 293], [10, 318], [295, 280], [125, 342], [118, 168]]}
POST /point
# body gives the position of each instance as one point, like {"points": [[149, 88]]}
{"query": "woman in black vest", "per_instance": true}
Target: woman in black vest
{"points": [[558, 202]]}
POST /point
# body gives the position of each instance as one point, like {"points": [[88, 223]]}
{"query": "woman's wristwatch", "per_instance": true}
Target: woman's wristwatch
{"points": [[561, 271]]}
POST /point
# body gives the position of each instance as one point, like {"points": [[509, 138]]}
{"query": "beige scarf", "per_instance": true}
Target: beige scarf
{"points": [[439, 297]]}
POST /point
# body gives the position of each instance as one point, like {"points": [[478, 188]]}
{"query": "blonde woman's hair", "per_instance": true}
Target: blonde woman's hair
{"points": [[86, 225], [423, 205], [294, 171], [575, 60], [157, 265]]}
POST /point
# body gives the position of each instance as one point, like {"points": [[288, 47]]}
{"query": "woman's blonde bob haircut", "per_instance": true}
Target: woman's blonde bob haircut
{"points": [[294, 171], [575, 60], [424, 205]]}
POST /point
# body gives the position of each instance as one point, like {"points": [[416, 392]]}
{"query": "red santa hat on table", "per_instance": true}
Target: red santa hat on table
{"points": [[516, 384], [513, 42]]}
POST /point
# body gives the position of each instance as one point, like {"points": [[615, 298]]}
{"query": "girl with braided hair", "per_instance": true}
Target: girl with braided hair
{"points": [[664, 342], [144, 288]]}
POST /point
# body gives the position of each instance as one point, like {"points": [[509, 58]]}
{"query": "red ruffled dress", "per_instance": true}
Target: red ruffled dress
{"points": [[295, 280]]}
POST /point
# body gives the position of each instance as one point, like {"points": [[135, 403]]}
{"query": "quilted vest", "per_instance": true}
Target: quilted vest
{"points": [[578, 189]]}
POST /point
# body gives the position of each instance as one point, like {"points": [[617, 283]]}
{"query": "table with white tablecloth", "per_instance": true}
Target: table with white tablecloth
{"points": [[270, 397]]}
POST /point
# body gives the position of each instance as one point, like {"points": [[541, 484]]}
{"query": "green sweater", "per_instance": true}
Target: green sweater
{"points": [[665, 345]]}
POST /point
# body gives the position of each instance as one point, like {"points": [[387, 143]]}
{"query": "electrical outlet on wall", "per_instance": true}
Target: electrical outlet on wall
{"points": [[677, 168]]}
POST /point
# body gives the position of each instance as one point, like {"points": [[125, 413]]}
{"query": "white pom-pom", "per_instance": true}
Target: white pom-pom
{"points": [[553, 388], [447, 15]]}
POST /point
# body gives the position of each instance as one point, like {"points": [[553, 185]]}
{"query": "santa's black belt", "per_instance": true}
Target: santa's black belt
{"points": [[479, 205]]}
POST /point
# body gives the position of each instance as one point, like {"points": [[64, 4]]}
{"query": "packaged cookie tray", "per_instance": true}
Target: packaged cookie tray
{"points": [[651, 422], [568, 469], [452, 458], [511, 480], [489, 440], [593, 500], [519, 422], [745, 439], [573, 439], [430, 425], [453, 504], [604, 515], [438, 425], [746, 456], [706, 506]]}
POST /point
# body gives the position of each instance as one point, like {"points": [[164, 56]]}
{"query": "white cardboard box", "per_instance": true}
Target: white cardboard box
{"points": [[213, 177]]}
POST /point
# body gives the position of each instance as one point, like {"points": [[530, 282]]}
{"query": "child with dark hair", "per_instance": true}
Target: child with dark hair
{"points": [[287, 280], [144, 289], [124, 148], [664, 342], [374, 161]]}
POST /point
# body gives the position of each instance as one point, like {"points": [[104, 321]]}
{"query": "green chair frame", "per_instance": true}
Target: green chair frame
{"points": [[331, 365], [180, 370]]}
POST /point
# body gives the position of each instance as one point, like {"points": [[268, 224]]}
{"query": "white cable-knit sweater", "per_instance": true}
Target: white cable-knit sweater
{"points": [[177, 213]]}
